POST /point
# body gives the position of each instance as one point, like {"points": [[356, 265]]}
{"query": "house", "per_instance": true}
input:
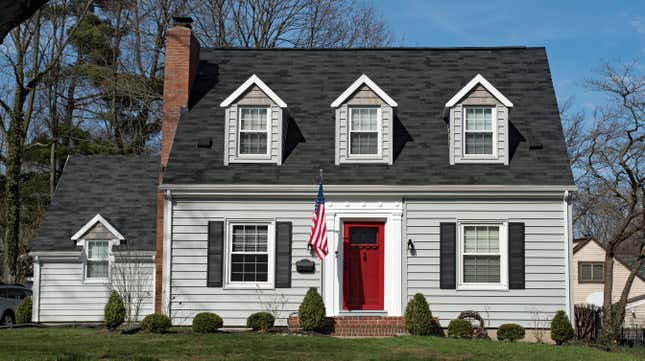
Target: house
{"points": [[588, 280], [445, 173]]}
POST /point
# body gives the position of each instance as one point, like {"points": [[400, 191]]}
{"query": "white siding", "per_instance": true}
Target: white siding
{"points": [[189, 293], [545, 259], [64, 297]]}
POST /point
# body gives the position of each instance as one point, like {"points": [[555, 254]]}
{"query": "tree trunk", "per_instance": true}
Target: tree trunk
{"points": [[12, 188]]}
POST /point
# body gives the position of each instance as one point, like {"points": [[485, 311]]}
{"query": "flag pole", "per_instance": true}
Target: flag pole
{"points": [[321, 175]]}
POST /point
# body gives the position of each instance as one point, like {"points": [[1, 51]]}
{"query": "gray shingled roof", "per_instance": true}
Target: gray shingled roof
{"points": [[121, 188], [420, 80]]}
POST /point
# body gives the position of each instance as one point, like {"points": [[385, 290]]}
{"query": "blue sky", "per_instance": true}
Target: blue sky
{"points": [[578, 35]]}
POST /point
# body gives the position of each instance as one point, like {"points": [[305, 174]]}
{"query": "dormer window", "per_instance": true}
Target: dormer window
{"points": [[478, 127], [97, 237], [254, 131], [254, 124], [364, 131], [478, 131], [364, 124]]}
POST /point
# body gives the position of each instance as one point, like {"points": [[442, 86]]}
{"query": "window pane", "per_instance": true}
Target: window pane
{"points": [[479, 143], [253, 143], [97, 269], [97, 250], [364, 143], [250, 238], [363, 235], [249, 267], [253, 118], [479, 119], [585, 269], [481, 269], [481, 239], [598, 270], [364, 119]]}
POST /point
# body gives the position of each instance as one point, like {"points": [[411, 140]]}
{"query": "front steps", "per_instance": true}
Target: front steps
{"points": [[359, 326]]}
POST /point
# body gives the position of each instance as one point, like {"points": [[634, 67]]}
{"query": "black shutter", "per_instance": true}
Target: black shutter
{"points": [[283, 254], [516, 265], [448, 255], [215, 254]]}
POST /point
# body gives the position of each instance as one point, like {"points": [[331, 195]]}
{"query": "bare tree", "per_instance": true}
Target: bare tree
{"points": [[609, 159], [289, 23], [131, 276]]}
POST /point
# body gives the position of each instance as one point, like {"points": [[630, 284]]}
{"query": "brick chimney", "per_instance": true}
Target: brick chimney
{"points": [[182, 61]]}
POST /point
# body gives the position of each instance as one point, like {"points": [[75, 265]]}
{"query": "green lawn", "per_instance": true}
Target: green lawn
{"points": [[88, 344]]}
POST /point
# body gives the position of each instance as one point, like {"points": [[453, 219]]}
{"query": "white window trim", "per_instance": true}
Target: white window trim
{"points": [[253, 80], [270, 284], [379, 128], [363, 79], [494, 130], [478, 79], [503, 254], [258, 156], [100, 280]]}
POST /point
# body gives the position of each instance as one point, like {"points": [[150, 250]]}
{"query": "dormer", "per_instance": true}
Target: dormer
{"points": [[364, 124], [478, 127], [254, 124], [97, 238]]}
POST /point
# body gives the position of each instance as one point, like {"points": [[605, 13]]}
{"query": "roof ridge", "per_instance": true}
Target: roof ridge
{"points": [[405, 48]]}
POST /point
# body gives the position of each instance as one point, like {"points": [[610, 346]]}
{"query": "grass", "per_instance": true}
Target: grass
{"points": [[76, 344]]}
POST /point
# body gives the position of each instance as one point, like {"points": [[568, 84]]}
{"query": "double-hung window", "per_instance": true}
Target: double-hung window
{"points": [[364, 132], [98, 260], [591, 272], [479, 136], [254, 131], [482, 256], [250, 256]]}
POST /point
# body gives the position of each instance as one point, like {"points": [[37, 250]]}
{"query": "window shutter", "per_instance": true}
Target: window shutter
{"points": [[215, 254], [516, 264], [283, 254], [448, 255]]}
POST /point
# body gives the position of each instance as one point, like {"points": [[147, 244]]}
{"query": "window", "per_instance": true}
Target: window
{"points": [[98, 259], [478, 131], [254, 131], [364, 131], [591, 272], [250, 254], [482, 256]]}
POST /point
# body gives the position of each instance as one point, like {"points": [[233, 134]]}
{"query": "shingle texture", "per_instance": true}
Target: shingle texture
{"points": [[120, 188], [420, 80]]}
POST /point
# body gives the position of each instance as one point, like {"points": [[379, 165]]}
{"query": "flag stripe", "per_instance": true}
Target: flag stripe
{"points": [[318, 237]]}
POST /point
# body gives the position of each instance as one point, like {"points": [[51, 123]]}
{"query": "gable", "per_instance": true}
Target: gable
{"points": [[98, 232], [479, 96], [364, 96], [254, 96]]}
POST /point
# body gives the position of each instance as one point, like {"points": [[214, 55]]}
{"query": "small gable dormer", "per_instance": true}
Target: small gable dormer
{"points": [[478, 126], [364, 124], [254, 124], [97, 238]]}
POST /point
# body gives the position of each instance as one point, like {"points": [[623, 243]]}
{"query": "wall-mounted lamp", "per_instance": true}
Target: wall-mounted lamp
{"points": [[411, 247]]}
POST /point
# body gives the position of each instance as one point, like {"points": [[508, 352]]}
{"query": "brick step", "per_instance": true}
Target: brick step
{"points": [[361, 325]]}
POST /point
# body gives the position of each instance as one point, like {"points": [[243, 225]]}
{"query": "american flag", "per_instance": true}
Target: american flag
{"points": [[318, 238]]}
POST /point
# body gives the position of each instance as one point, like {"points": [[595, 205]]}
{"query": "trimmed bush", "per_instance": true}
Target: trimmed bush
{"points": [[156, 323], [510, 332], [260, 321], [311, 312], [418, 317], [23, 312], [114, 311], [460, 329], [561, 330], [207, 322]]}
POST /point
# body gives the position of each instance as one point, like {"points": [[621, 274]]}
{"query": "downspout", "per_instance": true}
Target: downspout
{"points": [[36, 292], [568, 233], [167, 255]]}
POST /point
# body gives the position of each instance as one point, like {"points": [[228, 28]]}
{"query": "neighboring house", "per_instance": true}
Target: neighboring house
{"points": [[588, 276], [445, 173]]}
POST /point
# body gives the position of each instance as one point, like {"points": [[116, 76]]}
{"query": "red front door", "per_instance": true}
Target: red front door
{"points": [[363, 266]]}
